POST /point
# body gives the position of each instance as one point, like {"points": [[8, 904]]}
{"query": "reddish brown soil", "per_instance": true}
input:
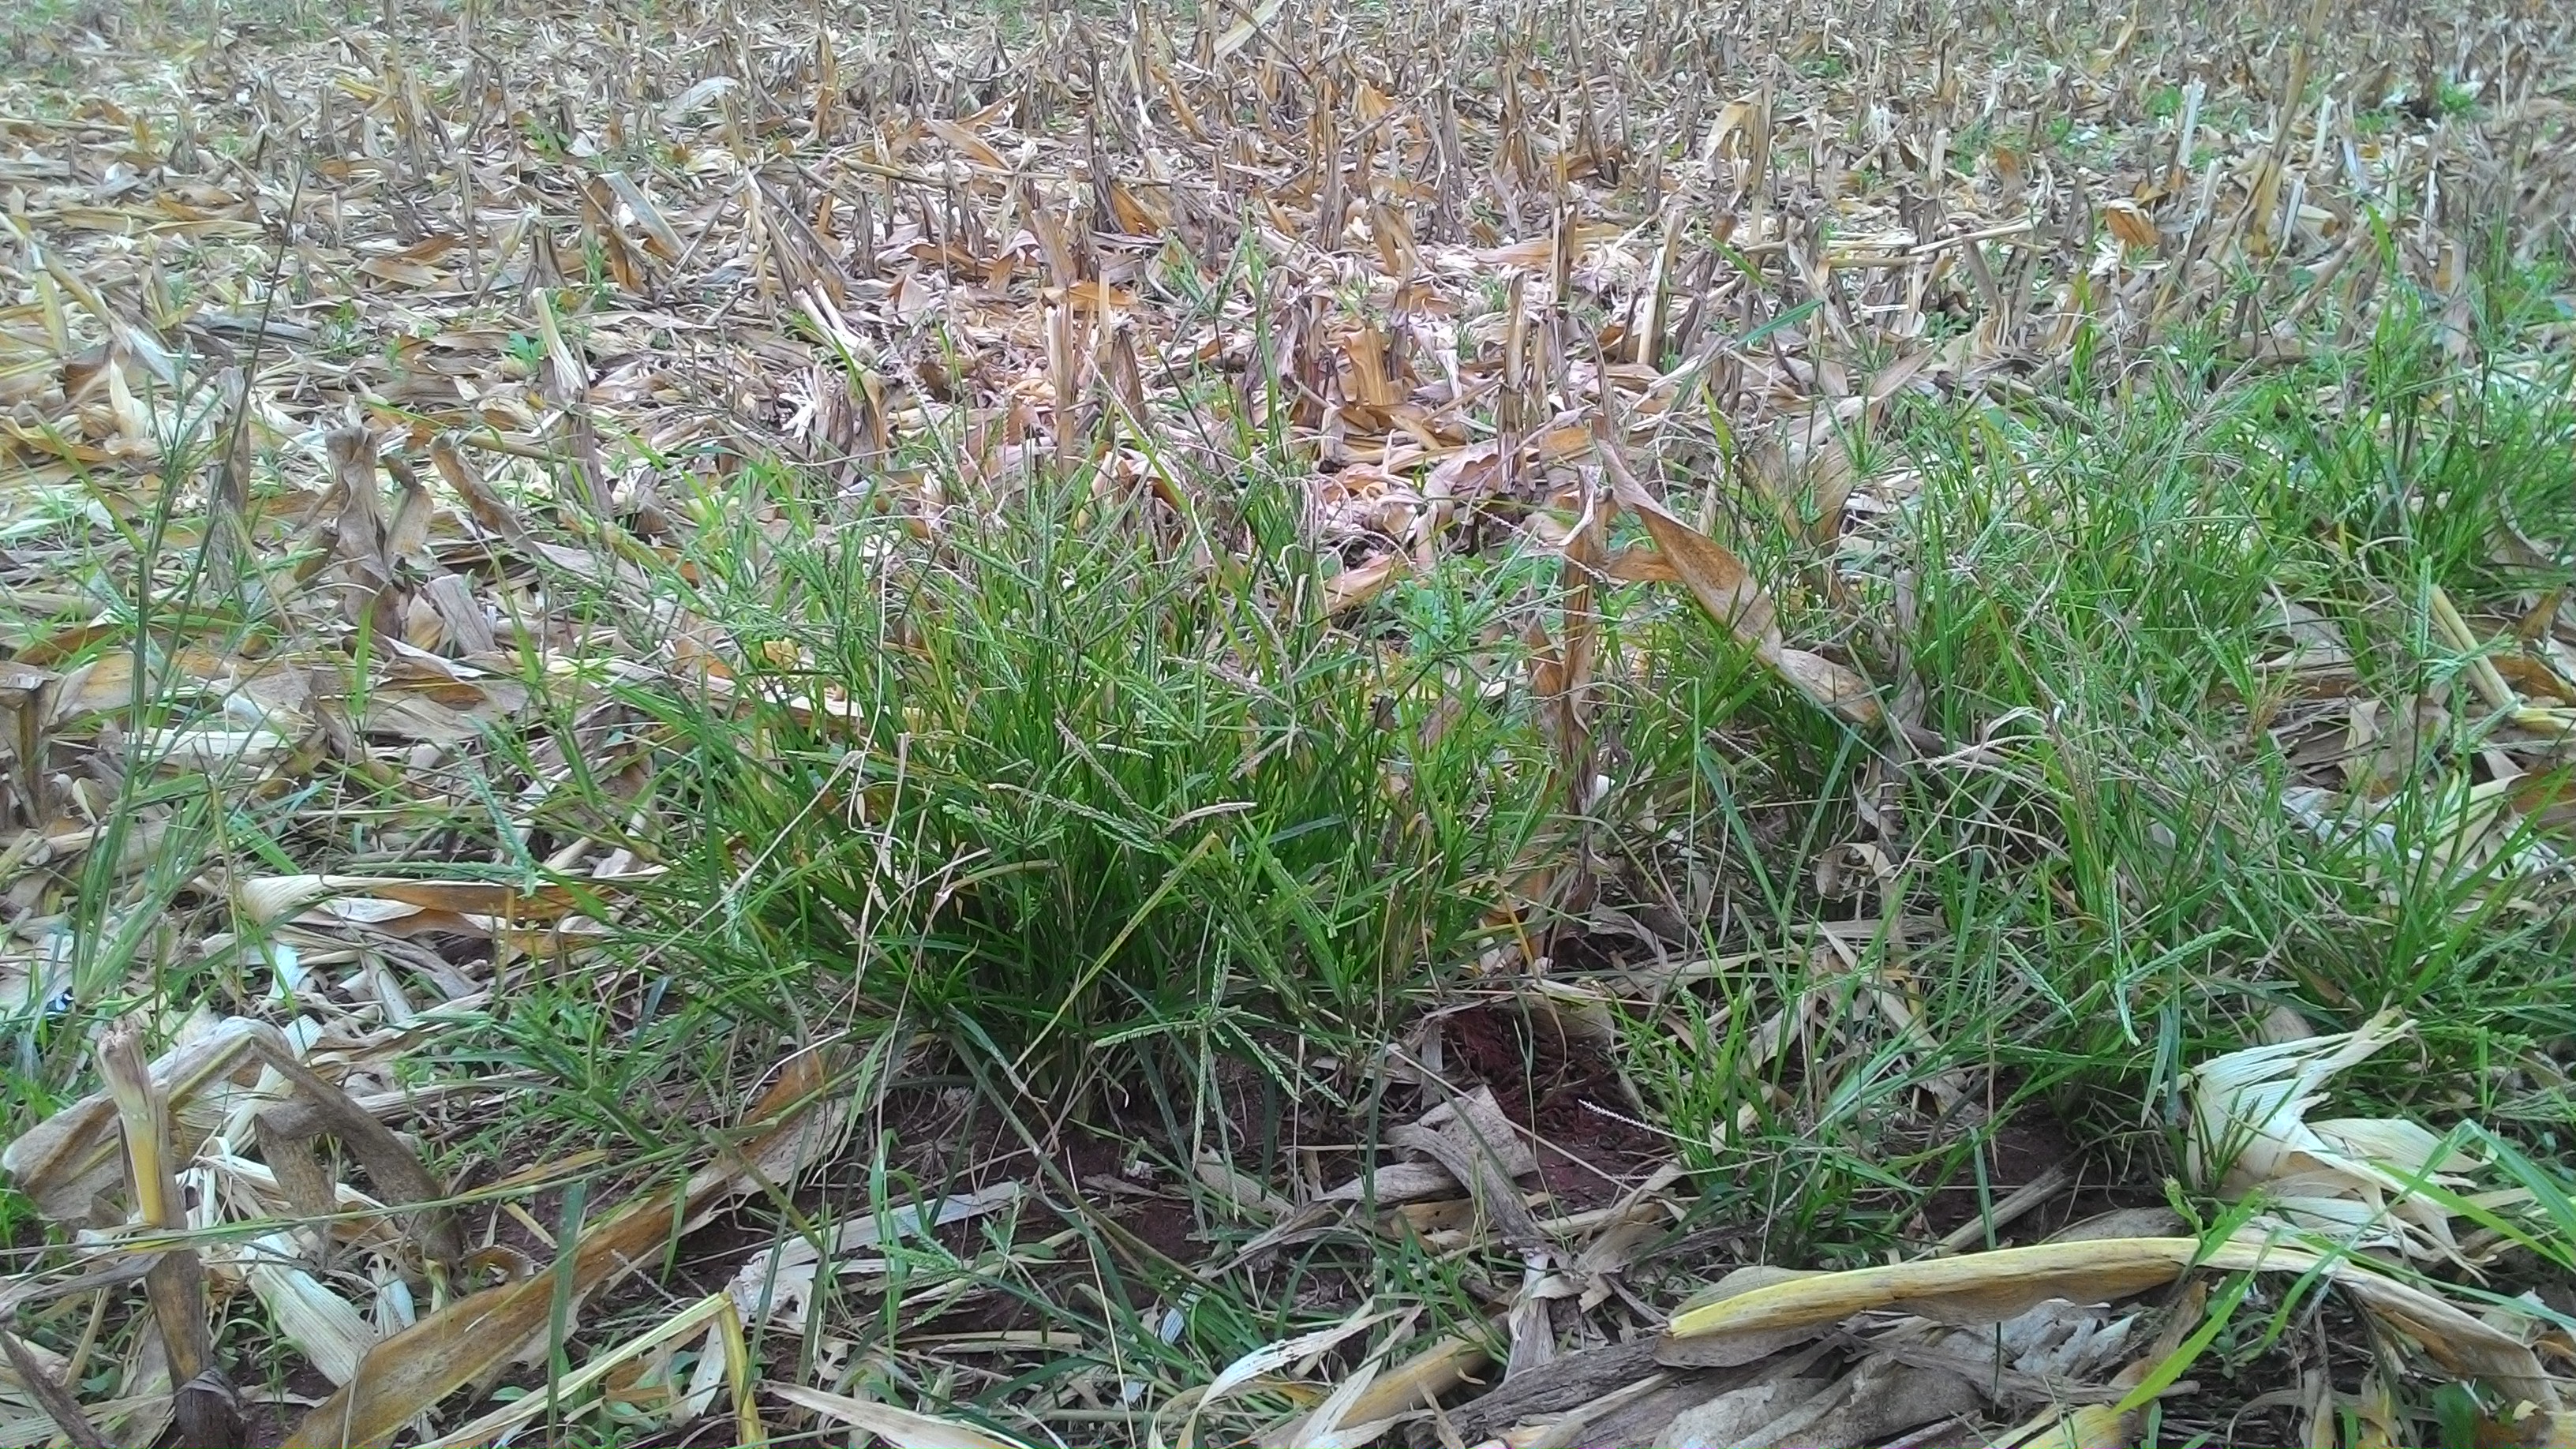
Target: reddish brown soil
{"points": [[2022, 1149], [1565, 1089]]}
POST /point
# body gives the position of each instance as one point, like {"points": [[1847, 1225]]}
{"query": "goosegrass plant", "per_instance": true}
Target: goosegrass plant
{"points": [[2096, 879], [1040, 784], [174, 785]]}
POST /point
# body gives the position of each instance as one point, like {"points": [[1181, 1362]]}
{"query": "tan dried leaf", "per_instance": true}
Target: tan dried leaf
{"points": [[2130, 223]]}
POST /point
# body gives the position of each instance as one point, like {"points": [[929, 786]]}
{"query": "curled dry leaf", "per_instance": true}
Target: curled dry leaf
{"points": [[1420, 1379], [402, 906], [1259, 1363], [1715, 577], [1357, 588], [1843, 690], [2357, 1180], [2130, 223]]}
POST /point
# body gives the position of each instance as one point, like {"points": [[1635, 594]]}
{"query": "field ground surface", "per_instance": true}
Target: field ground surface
{"points": [[1523, 723]]}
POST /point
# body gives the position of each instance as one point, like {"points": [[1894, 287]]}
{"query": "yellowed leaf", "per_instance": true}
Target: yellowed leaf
{"points": [[1844, 691], [1732, 596], [1971, 1288], [973, 146], [1712, 573], [2093, 1426]]}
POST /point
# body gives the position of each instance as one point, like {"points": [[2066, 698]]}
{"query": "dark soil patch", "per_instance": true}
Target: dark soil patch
{"points": [[1562, 1084], [1101, 1168], [1123, 1173], [2022, 1149], [266, 1423], [1120, 1174]]}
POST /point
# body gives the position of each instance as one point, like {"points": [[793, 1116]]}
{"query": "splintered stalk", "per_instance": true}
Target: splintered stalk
{"points": [[175, 1285], [50, 1396]]}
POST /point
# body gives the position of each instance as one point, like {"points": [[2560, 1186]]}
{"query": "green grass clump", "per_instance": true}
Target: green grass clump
{"points": [[2097, 606], [1046, 786], [2096, 878]]}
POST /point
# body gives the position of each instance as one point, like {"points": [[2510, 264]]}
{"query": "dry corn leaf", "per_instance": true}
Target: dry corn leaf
{"points": [[400, 906], [1727, 590], [405, 1375], [1991, 1286], [1739, 1416], [324, 1327], [1970, 1288], [1715, 577], [1878, 1399], [600, 1367], [1356, 588], [897, 1428], [2130, 223], [73, 1160], [1260, 1364]]}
